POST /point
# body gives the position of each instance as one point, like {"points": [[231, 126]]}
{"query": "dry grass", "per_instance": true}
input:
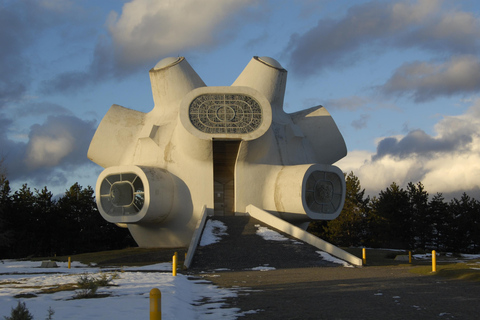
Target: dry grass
{"points": [[459, 271], [447, 266], [103, 257]]}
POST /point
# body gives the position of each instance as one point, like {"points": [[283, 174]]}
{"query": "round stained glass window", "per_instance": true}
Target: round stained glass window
{"points": [[225, 113]]}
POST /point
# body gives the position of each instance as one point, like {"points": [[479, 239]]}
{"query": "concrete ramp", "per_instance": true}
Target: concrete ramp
{"points": [[302, 235]]}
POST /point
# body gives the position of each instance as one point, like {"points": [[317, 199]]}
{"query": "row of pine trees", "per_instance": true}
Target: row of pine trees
{"points": [[407, 219], [32, 223]]}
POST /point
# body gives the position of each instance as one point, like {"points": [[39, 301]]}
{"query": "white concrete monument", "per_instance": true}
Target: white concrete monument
{"points": [[219, 147]]}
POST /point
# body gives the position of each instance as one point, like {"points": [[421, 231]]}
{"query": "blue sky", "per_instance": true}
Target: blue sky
{"points": [[400, 78]]}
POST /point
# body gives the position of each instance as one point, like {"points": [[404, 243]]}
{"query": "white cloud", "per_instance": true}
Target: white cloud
{"points": [[48, 151], [447, 170], [54, 150], [150, 29]]}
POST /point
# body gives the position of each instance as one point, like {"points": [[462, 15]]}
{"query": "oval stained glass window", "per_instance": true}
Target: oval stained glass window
{"points": [[225, 113]]}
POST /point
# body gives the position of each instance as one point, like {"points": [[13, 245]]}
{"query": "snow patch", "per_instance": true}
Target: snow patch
{"points": [[129, 295], [263, 268], [328, 257], [213, 232], [270, 235]]}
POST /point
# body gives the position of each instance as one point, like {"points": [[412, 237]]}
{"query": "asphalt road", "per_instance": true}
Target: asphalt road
{"points": [[387, 292]]}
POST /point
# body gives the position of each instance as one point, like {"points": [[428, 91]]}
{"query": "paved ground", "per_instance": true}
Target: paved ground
{"points": [[304, 287], [349, 293]]}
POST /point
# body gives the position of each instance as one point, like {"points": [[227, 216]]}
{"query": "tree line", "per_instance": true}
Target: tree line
{"points": [[403, 219], [32, 223]]}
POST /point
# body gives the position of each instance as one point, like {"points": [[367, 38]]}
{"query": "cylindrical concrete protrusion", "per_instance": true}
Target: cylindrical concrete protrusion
{"points": [[313, 189], [172, 78], [130, 194], [434, 261], [267, 76], [364, 256], [155, 304]]}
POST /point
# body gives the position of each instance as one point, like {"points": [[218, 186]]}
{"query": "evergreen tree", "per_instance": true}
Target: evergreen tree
{"points": [[84, 229], [393, 221], [45, 212], [438, 214], [23, 223], [6, 235], [351, 226], [420, 216], [464, 215]]}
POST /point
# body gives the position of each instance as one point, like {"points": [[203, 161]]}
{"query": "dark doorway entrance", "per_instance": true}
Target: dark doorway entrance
{"points": [[224, 157]]}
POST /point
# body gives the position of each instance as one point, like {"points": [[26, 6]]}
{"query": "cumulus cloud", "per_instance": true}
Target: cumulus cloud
{"points": [[61, 140], [147, 30], [448, 162], [53, 148], [425, 81], [428, 25]]}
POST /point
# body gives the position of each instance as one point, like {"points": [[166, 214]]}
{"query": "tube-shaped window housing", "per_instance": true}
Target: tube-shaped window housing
{"points": [[316, 190], [132, 194]]}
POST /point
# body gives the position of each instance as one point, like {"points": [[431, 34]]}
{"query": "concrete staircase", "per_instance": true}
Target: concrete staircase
{"points": [[242, 248]]}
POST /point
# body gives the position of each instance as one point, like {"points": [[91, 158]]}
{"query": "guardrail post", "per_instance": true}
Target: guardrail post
{"points": [[155, 304]]}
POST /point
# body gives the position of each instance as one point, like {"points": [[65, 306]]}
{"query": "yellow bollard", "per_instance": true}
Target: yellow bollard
{"points": [[174, 265], [155, 304], [409, 256], [434, 261], [69, 262], [364, 256]]}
